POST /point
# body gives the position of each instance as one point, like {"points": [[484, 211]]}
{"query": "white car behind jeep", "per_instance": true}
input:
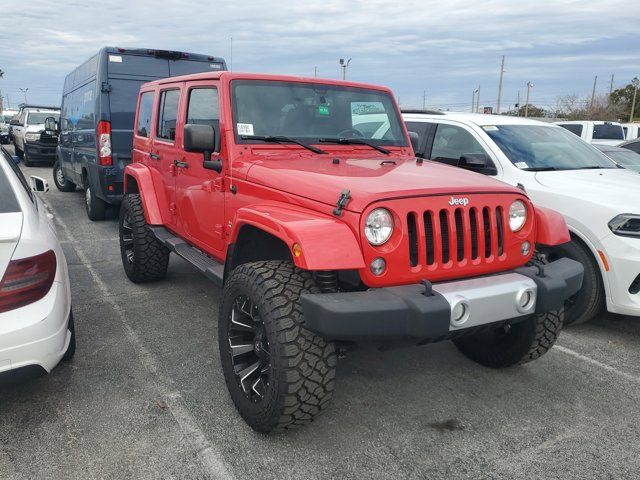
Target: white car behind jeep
{"points": [[36, 322], [600, 202]]}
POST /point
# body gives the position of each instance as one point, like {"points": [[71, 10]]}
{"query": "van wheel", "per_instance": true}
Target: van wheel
{"points": [[514, 344], [59, 179], [144, 258], [96, 207], [279, 374]]}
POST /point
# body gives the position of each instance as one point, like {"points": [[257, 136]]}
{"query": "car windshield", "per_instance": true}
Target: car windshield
{"points": [[311, 112], [607, 131], [38, 118], [541, 147], [625, 158]]}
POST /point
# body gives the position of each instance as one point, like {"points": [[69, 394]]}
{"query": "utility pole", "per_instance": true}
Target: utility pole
{"points": [[611, 85], [635, 82], [593, 92], [424, 100], [315, 71], [526, 105], [231, 56], [344, 66], [478, 101], [518, 105], [24, 92], [473, 101], [500, 87]]}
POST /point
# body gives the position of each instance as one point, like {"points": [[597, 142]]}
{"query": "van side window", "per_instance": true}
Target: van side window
{"points": [[168, 114], [573, 128], [144, 115], [203, 109]]}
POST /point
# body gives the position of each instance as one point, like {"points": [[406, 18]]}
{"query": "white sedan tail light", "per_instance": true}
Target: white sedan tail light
{"points": [[27, 280]]}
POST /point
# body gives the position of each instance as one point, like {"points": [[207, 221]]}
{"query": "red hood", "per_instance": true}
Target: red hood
{"points": [[317, 177]]}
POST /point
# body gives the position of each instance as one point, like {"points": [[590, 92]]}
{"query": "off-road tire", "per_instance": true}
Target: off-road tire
{"points": [[150, 257], [62, 183], [590, 300], [516, 344], [303, 364], [71, 349], [96, 207]]}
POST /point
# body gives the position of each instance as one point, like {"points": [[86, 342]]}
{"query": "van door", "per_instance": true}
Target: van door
{"points": [[199, 191], [163, 150]]}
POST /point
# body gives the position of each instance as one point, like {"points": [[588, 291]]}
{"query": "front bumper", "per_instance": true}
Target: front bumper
{"points": [[37, 150], [623, 257], [413, 312]]}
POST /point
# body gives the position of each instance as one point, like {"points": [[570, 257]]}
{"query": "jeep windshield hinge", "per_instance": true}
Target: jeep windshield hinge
{"points": [[342, 202], [105, 87]]}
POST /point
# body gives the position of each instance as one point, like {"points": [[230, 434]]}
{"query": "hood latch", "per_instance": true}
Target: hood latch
{"points": [[342, 202]]}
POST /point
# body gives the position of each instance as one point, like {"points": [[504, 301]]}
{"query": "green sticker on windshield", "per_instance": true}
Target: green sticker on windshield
{"points": [[323, 109]]}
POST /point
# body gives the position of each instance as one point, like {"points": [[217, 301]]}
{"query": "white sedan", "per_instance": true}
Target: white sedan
{"points": [[36, 321]]}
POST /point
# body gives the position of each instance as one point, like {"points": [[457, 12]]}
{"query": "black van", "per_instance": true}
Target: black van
{"points": [[96, 123]]}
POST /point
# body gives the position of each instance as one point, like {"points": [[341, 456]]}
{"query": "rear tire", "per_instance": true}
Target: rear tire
{"points": [[96, 207], [515, 344], [144, 258], [59, 179], [590, 300], [279, 374]]}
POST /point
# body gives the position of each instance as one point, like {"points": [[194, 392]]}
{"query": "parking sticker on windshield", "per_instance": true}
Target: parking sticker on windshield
{"points": [[521, 164], [323, 109], [245, 128], [489, 128]]}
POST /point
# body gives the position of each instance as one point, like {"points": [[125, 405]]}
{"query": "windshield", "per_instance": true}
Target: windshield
{"points": [[538, 147], [607, 131], [625, 158], [309, 112], [38, 118]]}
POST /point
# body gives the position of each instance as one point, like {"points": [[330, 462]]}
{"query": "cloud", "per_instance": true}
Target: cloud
{"points": [[445, 48]]}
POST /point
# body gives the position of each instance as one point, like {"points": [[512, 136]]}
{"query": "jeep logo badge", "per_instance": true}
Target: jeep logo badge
{"points": [[459, 201]]}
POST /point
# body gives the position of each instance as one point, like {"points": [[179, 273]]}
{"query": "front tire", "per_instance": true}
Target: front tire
{"points": [[96, 207], [279, 374], [144, 258], [514, 344], [60, 180]]}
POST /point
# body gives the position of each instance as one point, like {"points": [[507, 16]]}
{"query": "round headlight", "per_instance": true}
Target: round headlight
{"points": [[378, 226], [517, 215]]}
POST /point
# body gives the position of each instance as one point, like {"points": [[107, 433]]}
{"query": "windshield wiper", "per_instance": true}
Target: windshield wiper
{"points": [[541, 169], [354, 141], [593, 167], [282, 139]]}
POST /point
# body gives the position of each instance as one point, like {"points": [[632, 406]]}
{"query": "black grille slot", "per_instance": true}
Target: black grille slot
{"points": [[473, 221], [635, 286], [413, 239], [487, 232], [459, 234], [500, 230], [428, 230], [444, 235]]}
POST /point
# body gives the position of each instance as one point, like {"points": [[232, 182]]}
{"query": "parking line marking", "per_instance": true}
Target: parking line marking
{"points": [[595, 362], [210, 458]]}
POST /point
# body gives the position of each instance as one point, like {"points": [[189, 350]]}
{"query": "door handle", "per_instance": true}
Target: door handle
{"points": [[154, 156], [180, 164]]}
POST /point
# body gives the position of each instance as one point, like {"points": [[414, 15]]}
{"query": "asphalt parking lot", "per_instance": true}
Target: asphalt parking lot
{"points": [[145, 396]]}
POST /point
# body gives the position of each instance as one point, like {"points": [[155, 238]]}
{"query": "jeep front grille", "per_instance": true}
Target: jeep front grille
{"points": [[458, 235]]}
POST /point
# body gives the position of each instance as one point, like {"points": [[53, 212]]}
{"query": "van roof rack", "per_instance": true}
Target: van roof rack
{"points": [[422, 110]]}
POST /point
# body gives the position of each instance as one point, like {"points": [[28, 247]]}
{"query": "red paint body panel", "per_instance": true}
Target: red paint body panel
{"points": [[552, 229], [291, 193]]}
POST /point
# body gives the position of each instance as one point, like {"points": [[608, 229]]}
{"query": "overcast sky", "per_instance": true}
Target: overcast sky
{"points": [[447, 48]]}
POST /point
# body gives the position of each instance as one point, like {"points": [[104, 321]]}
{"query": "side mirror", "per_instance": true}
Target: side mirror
{"points": [[15, 121], [415, 141], [202, 138], [39, 184], [477, 162], [50, 124]]}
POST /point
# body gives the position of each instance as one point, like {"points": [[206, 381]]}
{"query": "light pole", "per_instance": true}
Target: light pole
{"points": [[478, 101], [24, 92], [526, 105], [473, 101], [635, 82], [344, 66]]}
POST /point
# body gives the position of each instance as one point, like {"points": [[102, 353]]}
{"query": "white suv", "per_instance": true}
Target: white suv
{"points": [[600, 202]]}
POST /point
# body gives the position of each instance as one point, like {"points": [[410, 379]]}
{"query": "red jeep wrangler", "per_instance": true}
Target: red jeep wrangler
{"points": [[326, 233]]}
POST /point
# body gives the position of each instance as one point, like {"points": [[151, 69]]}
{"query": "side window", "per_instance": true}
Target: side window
{"points": [[168, 115], [422, 129], [23, 181], [144, 114], [203, 109], [573, 128], [635, 147], [626, 132], [451, 142], [23, 117]]}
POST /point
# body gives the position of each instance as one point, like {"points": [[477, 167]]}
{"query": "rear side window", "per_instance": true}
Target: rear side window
{"points": [[607, 131], [451, 142], [168, 114], [203, 109], [144, 114], [573, 128]]}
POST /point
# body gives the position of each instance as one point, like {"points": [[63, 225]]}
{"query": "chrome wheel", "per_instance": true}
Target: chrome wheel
{"points": [[249, 349], [127, 238], [60, 176]]}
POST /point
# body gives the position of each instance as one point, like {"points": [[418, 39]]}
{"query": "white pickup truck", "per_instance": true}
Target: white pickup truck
{"points": [[606, 133]]}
